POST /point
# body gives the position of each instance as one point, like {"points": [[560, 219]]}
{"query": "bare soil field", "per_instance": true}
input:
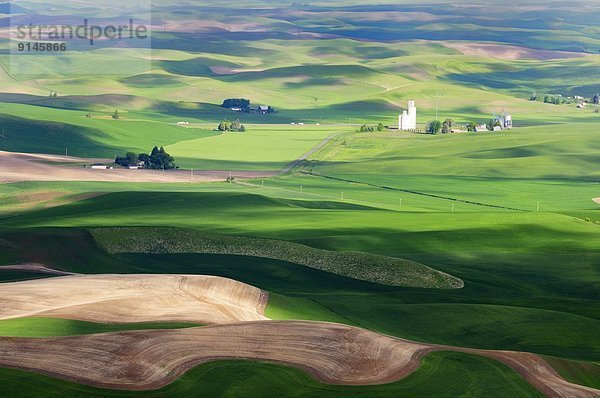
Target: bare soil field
{"points": [[597, 200], [503, 51], [151, 359], [134, 298], [332, 353], [539, 373], [15, 167]]}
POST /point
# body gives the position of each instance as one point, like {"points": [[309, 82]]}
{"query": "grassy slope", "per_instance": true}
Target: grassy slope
{"points": [[99, 136], [506, 302], [259, 148], [367, 267], [584, 373], [538, 153], [352, 82], [51, 327], [454, 375]]}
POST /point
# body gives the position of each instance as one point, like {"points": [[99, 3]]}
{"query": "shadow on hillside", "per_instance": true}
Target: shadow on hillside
{"points": [[27, 135]]}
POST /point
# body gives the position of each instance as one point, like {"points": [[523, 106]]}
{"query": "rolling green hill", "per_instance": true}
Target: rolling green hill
{"points": [[508, 213]]}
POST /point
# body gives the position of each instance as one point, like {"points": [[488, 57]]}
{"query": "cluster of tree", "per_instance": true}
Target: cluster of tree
{"points": [[241, 103], [130, 159], [244, 105], [471, 127], [157, 159], [236, 126], [369, 129], [554, 99], [445, 127], [437, 126], [493, 123], [550, 99], [559, 99]]}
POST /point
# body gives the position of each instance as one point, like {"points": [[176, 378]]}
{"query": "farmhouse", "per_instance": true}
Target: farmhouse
{"points": [[263, 109], [408, 119]]}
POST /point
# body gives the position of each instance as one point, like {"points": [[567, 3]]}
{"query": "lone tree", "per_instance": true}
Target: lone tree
{"points": [[471, 127], [115, 115], [434, 127], [380, 127], [596, 99], [447, 126]]}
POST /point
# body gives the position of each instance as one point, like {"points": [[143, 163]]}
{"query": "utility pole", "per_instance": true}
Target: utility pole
{"points": [[262, 184], [538, 207], [400, 202], [192, 175], [66, 152], [301, 188], [452, 207], [342, 197]]}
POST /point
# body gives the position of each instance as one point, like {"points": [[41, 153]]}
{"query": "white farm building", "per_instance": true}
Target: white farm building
{"points": [[408, 119]]}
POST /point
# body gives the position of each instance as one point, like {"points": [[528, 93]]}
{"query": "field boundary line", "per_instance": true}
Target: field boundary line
{"points": [[470, 202], [373, 205]]}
